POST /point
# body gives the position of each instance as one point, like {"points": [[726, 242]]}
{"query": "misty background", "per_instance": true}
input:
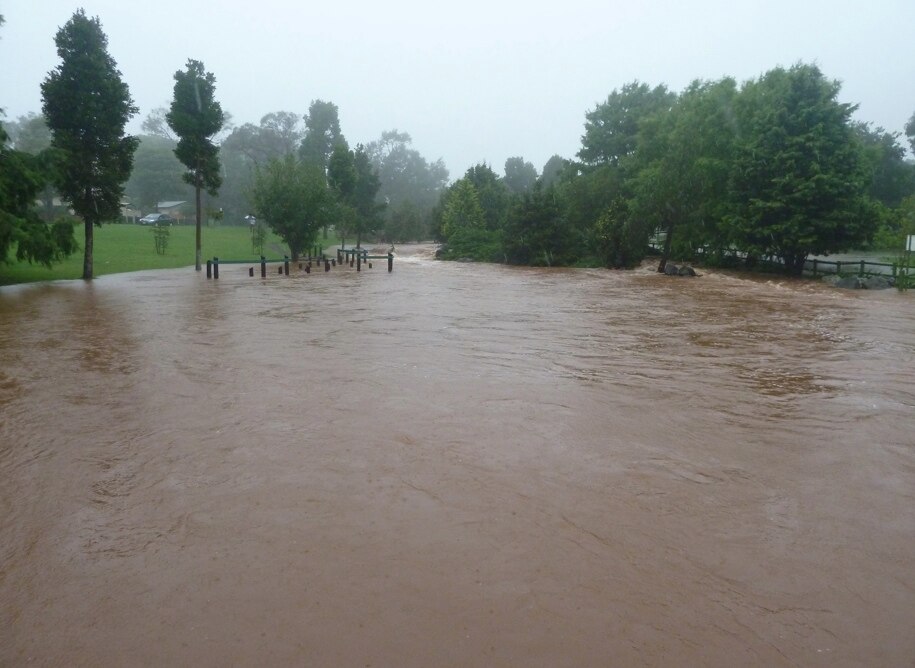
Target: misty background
{"points": [[470, 81]]}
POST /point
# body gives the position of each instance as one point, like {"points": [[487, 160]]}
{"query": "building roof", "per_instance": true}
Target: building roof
{"points": [[170, 205]]}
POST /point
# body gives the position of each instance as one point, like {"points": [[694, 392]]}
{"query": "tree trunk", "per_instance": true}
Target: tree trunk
{"points": [[665, 254], [87, 255], [197, 193]]}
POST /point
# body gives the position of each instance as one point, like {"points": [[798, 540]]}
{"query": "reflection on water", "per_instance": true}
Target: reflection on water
{"points": [[455, 464]]}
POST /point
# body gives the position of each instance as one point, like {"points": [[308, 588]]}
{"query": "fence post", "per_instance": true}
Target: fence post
{"points": [[861, 270], [326, 264], [263, 267], [838, 267], [251, 271], [390, 262], [814, 267], [215, 268], [358, 261], [286, 265], [209, 269]]}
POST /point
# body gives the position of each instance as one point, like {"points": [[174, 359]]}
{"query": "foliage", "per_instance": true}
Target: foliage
{"points": [[160, 237], [895, 225], [21, 181], [621, 239], [612, 128], [195, 116], [293, 199], [680, 172], [404, 223], [462, 210], [552, 171], [890, 177], [258, 237], [520, 176], [29, 133], [157, 174], [87, 106], [410, 185], [493, 195], [535, 232], [910, 131], [322, 133], [797, 180], [355, 184], [474, 243]]}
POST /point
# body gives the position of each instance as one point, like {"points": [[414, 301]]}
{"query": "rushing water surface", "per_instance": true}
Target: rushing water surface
{"points": [[456, 465]]}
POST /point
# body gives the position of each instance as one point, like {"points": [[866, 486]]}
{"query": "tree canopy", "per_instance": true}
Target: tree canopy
{"points": [[797, 181], [87, 107], [292, 197], [195, 117]]}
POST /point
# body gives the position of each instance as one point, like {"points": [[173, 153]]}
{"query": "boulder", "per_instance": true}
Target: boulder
{"points": [[686, 270], [671, 269], [876, 283], [849, 283]]}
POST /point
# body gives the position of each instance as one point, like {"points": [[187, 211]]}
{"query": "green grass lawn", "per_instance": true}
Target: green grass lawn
{"points": [[120, 248]]}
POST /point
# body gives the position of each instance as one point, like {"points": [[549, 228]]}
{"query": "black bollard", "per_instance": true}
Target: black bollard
{"points": [[251, 271], [370, 265], [279, 270], [358, 261], [326, 265], [215, 268], [285, 265], [263, 267], [333, 263], [390, 262], [308, 268], [209, 269]]}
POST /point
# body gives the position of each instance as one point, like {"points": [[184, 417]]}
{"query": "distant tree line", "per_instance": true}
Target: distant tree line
{"points": [[773, 168]]}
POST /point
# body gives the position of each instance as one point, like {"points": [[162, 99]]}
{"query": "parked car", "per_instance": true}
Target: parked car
{"points": [[156, 219]]}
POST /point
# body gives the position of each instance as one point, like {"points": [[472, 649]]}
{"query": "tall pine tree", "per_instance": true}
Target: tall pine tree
{"points": [[195, 116], [87, 106]]}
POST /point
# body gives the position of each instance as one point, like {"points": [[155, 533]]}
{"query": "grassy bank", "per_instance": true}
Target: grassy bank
{"points": [[120, 248]]}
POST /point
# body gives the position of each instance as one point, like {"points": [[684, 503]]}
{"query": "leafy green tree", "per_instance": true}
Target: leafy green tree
{"points": [[405, 224], [536, 232], [683, 159], [520, 176], [322, 133], [410, 185], [552, 171], [21, 181], [494, 196], [29, 133], [355, 183], [87, 106], [797, 179], [292, 198], [463, 209], [621, 238], [156, 124], [612, 128], [890, 177], [196, 117], [910, 131]]}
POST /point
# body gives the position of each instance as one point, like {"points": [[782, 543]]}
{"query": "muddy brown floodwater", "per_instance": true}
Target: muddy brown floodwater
{"points": [[456, 465]]}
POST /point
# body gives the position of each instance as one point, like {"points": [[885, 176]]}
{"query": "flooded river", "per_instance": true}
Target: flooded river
{"points": [[456, 465]]}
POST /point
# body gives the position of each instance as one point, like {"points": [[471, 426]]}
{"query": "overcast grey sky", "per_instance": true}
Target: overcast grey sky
{"points": [[471, 80]]}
